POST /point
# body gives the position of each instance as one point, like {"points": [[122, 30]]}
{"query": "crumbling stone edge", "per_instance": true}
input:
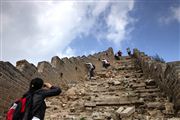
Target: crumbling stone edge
{"points": [[166, 75]]}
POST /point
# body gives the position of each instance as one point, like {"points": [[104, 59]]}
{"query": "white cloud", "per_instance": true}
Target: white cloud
{"points": [[99, 7], [117, 21], [68, 52], [39, 30], [174, 15]]}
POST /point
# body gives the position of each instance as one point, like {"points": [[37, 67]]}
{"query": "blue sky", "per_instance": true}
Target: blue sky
{"points": [[39, 30], [154, 34]]}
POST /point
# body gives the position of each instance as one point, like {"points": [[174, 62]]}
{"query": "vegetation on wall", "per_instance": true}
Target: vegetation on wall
{"points": [[158, 58]]}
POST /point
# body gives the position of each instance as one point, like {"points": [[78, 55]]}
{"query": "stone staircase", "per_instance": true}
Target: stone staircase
{"points": [[119, 93]]}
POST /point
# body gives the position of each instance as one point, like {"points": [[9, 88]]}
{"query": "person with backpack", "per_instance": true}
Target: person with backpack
{"points": [[105, 63], [32, 105], [91, 69], [118, 55], [128, 51]]}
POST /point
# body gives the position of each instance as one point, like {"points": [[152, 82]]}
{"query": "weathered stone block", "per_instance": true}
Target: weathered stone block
{"points": [[120, 109], [90, 104], [157, 105], [127, 112]]}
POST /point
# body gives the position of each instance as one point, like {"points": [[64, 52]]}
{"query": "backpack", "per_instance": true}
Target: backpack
{"points": [[21, 109], [94, 67]]}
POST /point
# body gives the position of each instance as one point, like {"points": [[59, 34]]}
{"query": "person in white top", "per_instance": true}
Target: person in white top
{"points": [[105, 63]]}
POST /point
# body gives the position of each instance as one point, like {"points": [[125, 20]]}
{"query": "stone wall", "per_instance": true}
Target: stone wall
{"points": [[14, 81], [167, 75]]}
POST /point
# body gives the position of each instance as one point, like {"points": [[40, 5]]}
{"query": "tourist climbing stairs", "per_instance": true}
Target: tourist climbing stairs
{"points": [[121, 92]]}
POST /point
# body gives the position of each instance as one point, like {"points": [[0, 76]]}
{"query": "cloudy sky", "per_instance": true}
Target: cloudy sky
{"points": [[37, 30]]}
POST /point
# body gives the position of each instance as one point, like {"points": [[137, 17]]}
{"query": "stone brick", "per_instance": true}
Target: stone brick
{"points": [[120, 109], [157, 105], [89, 104], [138, 85], [127, 112]]}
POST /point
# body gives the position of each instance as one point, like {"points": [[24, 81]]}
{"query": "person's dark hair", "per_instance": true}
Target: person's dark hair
{"points": [[36, 84]]}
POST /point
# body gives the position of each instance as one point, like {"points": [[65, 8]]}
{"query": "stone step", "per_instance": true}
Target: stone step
{"points": [[150, 87], [129, 91], [113, 103], [155, 94], [138, 85], [157, 105], [147, 90], [103, 93]]}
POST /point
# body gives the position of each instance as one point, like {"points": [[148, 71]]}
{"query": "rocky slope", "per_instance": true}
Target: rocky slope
{"points": [[120, 92]]}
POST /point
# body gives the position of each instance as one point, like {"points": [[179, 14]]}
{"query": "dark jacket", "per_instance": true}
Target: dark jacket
{"points": [[39, 106]]}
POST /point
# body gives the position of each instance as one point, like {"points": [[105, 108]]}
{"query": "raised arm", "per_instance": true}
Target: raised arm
{"points": [[51, 90]]}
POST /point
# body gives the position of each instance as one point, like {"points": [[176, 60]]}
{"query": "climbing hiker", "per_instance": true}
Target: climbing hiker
{"points": [[91, 69], [128, 51], [38, 90], [119, 53], [105, 63], [41, 90], [116, 56]]}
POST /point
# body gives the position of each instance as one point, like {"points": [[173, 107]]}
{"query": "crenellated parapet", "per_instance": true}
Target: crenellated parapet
{"points": [[27, 69], [14, 81], [56, 62], [47, 72]]}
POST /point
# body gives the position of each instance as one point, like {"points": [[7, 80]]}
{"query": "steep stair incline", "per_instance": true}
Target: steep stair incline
{"points": [[118, 93]]}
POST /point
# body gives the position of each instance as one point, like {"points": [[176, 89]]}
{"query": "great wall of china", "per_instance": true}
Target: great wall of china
{"points": [[128, 83]]}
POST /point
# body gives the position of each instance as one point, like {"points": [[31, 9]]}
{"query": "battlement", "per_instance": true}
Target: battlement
{"points": [[14, 81]]}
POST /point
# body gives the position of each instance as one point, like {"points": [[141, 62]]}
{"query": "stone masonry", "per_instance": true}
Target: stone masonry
{"points": [[166, 75], [122, 92], [14, 81], [133, 88]]}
